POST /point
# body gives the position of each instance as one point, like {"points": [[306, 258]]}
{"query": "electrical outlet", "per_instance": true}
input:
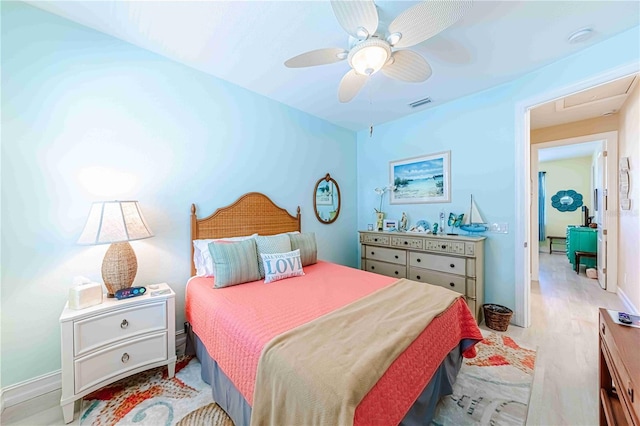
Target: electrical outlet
{"points": [[499, 228]]}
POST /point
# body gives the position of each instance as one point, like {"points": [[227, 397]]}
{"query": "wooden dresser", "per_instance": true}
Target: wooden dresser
{"points": [[454, 262], [619, 373]]}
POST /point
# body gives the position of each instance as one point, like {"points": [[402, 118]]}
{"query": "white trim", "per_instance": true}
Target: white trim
{"points": [[50, 382], [627, 302], [522, 314]]}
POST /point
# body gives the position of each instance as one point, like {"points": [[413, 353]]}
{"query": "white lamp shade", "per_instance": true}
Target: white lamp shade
{"points": [[113, 222]]}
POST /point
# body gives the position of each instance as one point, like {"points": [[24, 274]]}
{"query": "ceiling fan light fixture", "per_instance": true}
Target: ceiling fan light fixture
{"points": [[370, 56]]}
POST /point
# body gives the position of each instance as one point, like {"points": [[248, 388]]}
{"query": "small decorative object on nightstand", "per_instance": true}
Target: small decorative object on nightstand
{"points": [[107, 342]]}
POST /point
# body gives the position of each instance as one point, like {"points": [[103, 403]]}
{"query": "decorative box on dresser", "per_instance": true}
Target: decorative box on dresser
{"points": [[450, 261], [113, 340], [619, 372]]}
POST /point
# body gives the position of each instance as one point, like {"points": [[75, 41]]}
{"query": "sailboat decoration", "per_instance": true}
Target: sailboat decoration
{"points": [[474, 222]]}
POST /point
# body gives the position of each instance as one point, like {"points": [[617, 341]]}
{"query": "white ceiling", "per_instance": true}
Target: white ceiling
{"points": [[247, 42], [585, 149]]}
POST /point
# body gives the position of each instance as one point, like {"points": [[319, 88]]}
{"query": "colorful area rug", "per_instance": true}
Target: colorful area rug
{"points": [[492, 389]]}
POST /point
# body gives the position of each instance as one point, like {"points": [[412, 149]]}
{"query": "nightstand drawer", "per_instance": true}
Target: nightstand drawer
{"points": [[91, 333], [118, 359], [385, 254], [450, 265], [389, 269], [452, 282]]}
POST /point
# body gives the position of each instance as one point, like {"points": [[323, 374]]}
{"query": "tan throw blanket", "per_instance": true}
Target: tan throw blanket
{"points": [[318, 373]]}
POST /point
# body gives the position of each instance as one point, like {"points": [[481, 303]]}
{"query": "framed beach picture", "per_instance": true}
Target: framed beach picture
{"points": [[424, 179]]}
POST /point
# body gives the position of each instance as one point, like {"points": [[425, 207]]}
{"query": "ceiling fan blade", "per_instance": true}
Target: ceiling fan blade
{"points": [[354, 16], [426, 19], [407, 66], [350, 85], [317, 57]]}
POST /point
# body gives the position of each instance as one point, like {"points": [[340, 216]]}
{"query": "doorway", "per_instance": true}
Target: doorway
{"points": [[525, 187]]}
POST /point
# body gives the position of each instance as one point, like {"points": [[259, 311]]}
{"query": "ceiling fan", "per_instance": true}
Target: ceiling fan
{"points": [[373, 49]]}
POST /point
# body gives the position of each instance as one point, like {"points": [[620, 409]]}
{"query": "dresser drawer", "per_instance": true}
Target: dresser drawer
{"points": [[389, 269], [444, 246], [102, 365], [452, 282], [375, 239], [94, 332], [448, 264], [385, 254], [407, 242]]}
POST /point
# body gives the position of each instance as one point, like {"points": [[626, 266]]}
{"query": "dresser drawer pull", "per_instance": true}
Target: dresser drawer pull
{"points": [[396, 256], [418, 277], [452, 284], [124, 323], [372, 253], [406, 242], [396, 272], [452, 265], [373, 267], [375, 239], [418, 260], [125, 357], [444, 246]]}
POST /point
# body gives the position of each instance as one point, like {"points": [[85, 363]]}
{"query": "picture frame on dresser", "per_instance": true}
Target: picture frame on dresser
{"points": [[390, 225], [422, 179]]}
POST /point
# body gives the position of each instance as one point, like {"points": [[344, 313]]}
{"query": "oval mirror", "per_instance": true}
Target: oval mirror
{"points": [[326, 200]]}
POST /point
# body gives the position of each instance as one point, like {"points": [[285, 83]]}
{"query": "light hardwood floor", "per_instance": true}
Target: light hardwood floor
{"points": [[564, 331]]}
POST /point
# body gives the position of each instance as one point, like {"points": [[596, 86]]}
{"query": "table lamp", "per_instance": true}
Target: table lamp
{"points": [[116, 223]]}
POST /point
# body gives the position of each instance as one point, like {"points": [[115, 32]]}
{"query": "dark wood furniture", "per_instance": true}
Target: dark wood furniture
{"points": [[553, 237], [619, 372], [580, 254]]}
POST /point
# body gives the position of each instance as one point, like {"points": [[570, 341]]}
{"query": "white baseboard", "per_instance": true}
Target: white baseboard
{"points": [[627, 302], [50, 382]]}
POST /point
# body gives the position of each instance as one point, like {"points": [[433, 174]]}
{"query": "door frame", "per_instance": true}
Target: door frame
{"points": [[522, 314], [611, 139]]}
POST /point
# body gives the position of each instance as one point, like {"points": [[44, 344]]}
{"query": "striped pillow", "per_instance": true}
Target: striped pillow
{"points": [[271, 244], [235, 263], [307, 245]]}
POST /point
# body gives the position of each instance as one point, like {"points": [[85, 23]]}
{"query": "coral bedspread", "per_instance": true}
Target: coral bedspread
{"points": [[235, 323]]}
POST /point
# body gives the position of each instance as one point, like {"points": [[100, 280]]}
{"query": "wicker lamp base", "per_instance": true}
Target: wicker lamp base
{"points": [[119, 267]]}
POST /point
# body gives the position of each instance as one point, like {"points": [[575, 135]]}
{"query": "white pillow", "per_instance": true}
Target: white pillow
{"points": [[202, 256], [278, 266]]}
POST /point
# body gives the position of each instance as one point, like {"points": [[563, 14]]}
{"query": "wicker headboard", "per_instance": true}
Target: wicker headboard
{"points": [[253, 213]]}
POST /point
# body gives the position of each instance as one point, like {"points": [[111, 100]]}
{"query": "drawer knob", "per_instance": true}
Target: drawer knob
{"points": [[372, 253], [124, 323], [444, 246], [125, 357], [419, 260], [418, 277], [396, 256], [406, 242], [452, 284], [373, 267], [452, 265], [396, 272], [375, 239]]}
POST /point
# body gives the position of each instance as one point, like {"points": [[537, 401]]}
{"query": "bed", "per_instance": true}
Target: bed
{"points": [[235, 328]]}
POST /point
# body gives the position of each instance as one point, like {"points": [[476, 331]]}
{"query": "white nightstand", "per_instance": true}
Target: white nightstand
{"points": [[105, 343]]}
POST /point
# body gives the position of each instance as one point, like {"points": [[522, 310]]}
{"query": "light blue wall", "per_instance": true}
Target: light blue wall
{"points": [[479, 130], [72, 99]]}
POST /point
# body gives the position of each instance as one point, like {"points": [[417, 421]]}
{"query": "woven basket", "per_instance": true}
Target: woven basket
{"points": [[497, 317]]}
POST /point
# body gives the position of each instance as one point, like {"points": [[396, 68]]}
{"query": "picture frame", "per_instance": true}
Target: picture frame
{"points": [[390, 225], [422, 179], [324, 194]]}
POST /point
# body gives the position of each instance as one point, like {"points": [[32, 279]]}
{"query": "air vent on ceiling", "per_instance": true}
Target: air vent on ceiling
{"points": [[421, 102]]}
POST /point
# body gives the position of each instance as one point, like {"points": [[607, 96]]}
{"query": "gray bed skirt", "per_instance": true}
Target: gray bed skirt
{"points": [[421, 413]]}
